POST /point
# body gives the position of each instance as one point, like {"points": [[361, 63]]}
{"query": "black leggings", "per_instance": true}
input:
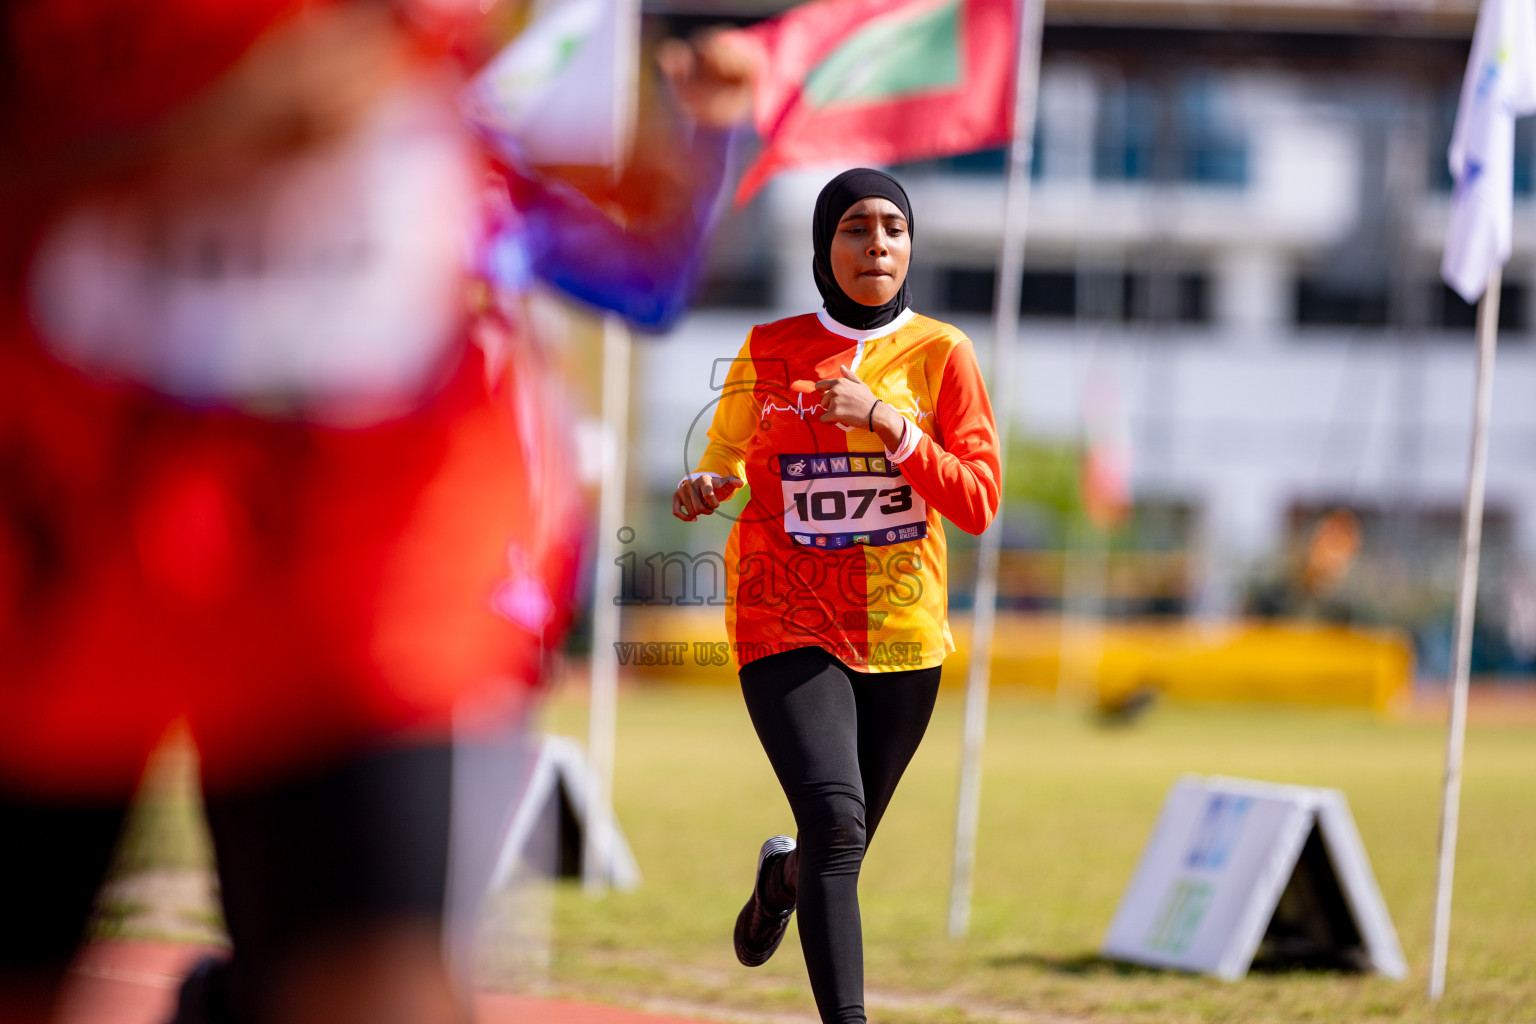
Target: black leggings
{"points": [[353, 845], [839, 741]]}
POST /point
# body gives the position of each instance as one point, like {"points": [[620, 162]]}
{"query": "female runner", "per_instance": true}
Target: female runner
{"points": [[856, 428]]}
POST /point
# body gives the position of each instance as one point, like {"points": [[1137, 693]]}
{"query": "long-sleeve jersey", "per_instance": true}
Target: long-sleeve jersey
{"points": [[841, 544]]}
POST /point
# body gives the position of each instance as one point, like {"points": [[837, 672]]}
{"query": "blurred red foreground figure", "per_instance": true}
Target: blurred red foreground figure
{"points": [[255, 477]]}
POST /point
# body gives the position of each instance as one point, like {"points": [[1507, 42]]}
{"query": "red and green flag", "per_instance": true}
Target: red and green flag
{"points": [[882, 81]]}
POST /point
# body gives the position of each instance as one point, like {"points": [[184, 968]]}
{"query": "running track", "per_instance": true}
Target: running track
{"points": [[135, 983]]}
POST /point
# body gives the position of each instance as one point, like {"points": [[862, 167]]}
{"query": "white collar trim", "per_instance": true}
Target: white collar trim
{"points": [[902, 319]]}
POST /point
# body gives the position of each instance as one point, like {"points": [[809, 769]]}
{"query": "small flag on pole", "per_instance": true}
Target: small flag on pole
{"points": [[563, 91], [880, 81], [1500, 85]]}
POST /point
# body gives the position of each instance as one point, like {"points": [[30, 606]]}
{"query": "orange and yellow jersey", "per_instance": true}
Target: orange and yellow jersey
{"points": [[841, 542]]}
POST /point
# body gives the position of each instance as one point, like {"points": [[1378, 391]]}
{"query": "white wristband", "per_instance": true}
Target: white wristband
{"points": [[910, 436]]}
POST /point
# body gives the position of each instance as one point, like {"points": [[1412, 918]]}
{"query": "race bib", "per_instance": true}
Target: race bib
{"points": [[837, 501]]}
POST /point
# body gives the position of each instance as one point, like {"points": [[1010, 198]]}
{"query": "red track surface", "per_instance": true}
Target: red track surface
{"points": [[135, 983]]}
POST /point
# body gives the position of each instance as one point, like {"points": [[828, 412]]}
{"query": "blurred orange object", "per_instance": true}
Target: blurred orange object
{"points": [[1106, 488], [1335, 543]]}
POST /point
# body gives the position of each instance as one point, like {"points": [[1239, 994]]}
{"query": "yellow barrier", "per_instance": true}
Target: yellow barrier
{"points": [[1283, 662]]}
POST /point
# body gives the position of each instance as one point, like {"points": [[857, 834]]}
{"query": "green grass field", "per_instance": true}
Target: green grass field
{"points": [[1067, 806]]}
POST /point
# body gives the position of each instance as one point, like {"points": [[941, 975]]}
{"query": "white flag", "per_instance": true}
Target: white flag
{"points": [[1500, 85], [563, 91]]}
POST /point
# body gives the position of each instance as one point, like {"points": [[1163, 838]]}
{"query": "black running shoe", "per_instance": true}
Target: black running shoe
{"points": [[759, 930], [204, 995]]}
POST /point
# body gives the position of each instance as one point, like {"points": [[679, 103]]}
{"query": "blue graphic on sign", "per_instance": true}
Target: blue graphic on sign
{"points": [[1218, 833]]}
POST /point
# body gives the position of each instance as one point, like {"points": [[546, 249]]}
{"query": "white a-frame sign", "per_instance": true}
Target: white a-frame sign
{"points": [[1239, 873], [558, 796]]}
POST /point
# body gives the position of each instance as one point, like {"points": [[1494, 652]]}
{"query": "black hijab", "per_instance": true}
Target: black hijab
{"points": [[839, 194]]}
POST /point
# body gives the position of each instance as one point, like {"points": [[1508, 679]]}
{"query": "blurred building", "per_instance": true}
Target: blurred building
{"points": [[1232, 259]]}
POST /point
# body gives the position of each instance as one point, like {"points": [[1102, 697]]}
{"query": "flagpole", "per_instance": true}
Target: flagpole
{"points": [[603, 691], [1005, 329], [603, 696], [1466, 604]]}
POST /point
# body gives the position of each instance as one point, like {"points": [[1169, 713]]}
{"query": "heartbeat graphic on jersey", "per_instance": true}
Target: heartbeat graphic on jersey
{"points": [[798, 409], [916, 413]]}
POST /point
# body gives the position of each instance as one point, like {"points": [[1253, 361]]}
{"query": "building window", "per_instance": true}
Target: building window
{"points": [[1125, 137], [967, 290], [1209, 153], [1048, 293], [978, 163], [1178, 298], [1514, 303], [982, 161], [735, 288], [1323, 302], [1150, 131], [1065, 294]]}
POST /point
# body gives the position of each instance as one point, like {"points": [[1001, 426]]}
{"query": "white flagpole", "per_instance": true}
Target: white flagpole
{"points": [[603, 693], [1005, 329], [602, 711], [1466, 603]]}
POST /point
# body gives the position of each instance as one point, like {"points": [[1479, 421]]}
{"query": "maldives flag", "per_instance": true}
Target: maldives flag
{"points": [[881, 81]]}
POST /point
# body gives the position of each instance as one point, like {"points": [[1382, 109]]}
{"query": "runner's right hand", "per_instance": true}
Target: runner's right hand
{"points": [[700, 496]]}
